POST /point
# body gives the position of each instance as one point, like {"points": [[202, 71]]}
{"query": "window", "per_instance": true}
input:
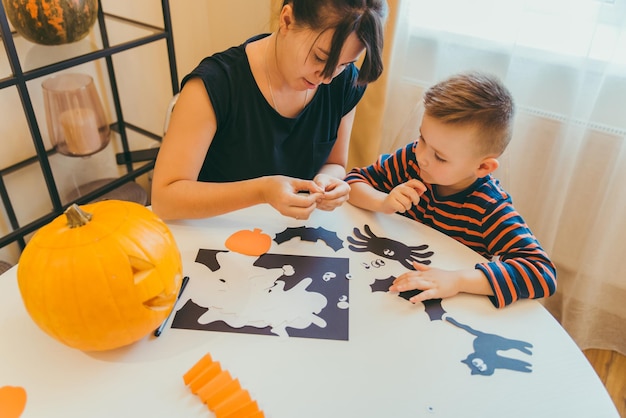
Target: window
{"points": [[593, 29]]}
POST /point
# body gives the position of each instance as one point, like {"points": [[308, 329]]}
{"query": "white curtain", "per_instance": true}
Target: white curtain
{"points": [[565, 63]]}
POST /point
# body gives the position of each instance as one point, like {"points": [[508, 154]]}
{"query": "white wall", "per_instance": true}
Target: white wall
{"points": [[201, 27]]}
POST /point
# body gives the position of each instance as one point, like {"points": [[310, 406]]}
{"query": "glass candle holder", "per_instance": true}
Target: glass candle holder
{"points": [[74, 115]]}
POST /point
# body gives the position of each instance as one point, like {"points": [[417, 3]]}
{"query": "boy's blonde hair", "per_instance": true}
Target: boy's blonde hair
{"points": [[474, 99]]}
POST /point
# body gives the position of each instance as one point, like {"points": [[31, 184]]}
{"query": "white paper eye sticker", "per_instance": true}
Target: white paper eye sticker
{"points": [[343, 302]]}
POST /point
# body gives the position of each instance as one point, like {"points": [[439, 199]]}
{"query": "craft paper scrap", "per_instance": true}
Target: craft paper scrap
{"points": [[274, 294], [12, 401]]}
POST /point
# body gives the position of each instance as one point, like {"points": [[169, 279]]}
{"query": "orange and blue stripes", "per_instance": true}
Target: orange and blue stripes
{"points": [[482, 218]]}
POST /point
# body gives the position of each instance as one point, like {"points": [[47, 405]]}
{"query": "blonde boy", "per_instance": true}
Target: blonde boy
{"points": [[443, 179]]}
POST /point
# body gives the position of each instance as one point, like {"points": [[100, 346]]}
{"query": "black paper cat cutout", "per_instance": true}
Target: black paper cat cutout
{"points": [[485, 359]]}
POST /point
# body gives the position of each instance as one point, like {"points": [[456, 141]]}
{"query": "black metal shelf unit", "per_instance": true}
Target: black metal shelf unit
{"points": [[19, 78]]}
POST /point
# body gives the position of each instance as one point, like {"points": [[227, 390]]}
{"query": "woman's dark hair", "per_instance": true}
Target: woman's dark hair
{"points": [[363, 17]]}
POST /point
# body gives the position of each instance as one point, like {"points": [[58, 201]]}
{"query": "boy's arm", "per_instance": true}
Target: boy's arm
{"points": [[365, 196], [503, 281], [438, 283], [400, 199], [524, 273], [522, 269], [389, 185], [369, 185]]}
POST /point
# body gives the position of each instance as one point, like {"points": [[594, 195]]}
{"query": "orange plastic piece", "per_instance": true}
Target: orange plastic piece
{"points": [[205, 377], [223, 393], [197, 368], [12, 401], [233, 403], [218, 382], [245, 410]]}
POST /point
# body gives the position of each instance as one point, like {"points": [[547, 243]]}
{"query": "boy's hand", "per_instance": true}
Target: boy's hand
{"points": [[402, 197], [435, 283]]}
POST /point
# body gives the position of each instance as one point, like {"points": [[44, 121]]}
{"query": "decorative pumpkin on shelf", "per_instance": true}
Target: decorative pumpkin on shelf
{"points": [[101, 276], [52, 22]]}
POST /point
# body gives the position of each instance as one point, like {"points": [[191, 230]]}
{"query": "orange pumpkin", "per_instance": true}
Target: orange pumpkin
{"points": [[52, 22], [249, 242], [102, 276]]}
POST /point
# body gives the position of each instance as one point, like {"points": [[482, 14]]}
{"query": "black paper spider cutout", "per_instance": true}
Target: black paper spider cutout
{"points": [[388, 248]]}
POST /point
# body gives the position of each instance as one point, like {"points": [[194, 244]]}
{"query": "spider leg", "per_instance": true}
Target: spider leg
{"points": [[415, 255], [358, 250], [419, 248], [360, 235], [369, 232], [409, 262], [406, 264], [357, 242]]}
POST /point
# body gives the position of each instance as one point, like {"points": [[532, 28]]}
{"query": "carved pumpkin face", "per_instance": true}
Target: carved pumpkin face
{"points": [[102, 282]]}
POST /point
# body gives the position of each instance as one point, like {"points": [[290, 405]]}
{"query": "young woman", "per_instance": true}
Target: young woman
{"points": [[269, 121]]}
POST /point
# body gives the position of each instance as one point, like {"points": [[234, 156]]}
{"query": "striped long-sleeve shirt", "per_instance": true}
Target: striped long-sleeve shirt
{"points": [[482, 217]]}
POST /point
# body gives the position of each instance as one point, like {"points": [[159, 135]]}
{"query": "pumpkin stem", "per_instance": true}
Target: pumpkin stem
{"points": [[77, 217]]}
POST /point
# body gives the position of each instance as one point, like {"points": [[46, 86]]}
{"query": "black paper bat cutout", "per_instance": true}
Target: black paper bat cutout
{"points": [[209, 258], [432, 306], [382, 285], [311, 235]]}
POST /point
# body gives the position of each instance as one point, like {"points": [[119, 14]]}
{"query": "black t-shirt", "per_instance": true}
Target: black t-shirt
{"points": [[252, 139]]}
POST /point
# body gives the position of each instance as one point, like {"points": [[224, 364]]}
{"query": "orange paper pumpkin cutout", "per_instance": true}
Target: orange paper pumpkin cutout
{"points": [[12, 401], [249, 242]]}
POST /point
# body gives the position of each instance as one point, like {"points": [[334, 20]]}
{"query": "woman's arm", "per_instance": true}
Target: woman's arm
{"points": [[176, 192], [330, 177], [338, 158]]}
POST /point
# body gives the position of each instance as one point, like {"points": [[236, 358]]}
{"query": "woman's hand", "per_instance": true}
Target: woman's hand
{"points": [[292, 197], [336, 191]]}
